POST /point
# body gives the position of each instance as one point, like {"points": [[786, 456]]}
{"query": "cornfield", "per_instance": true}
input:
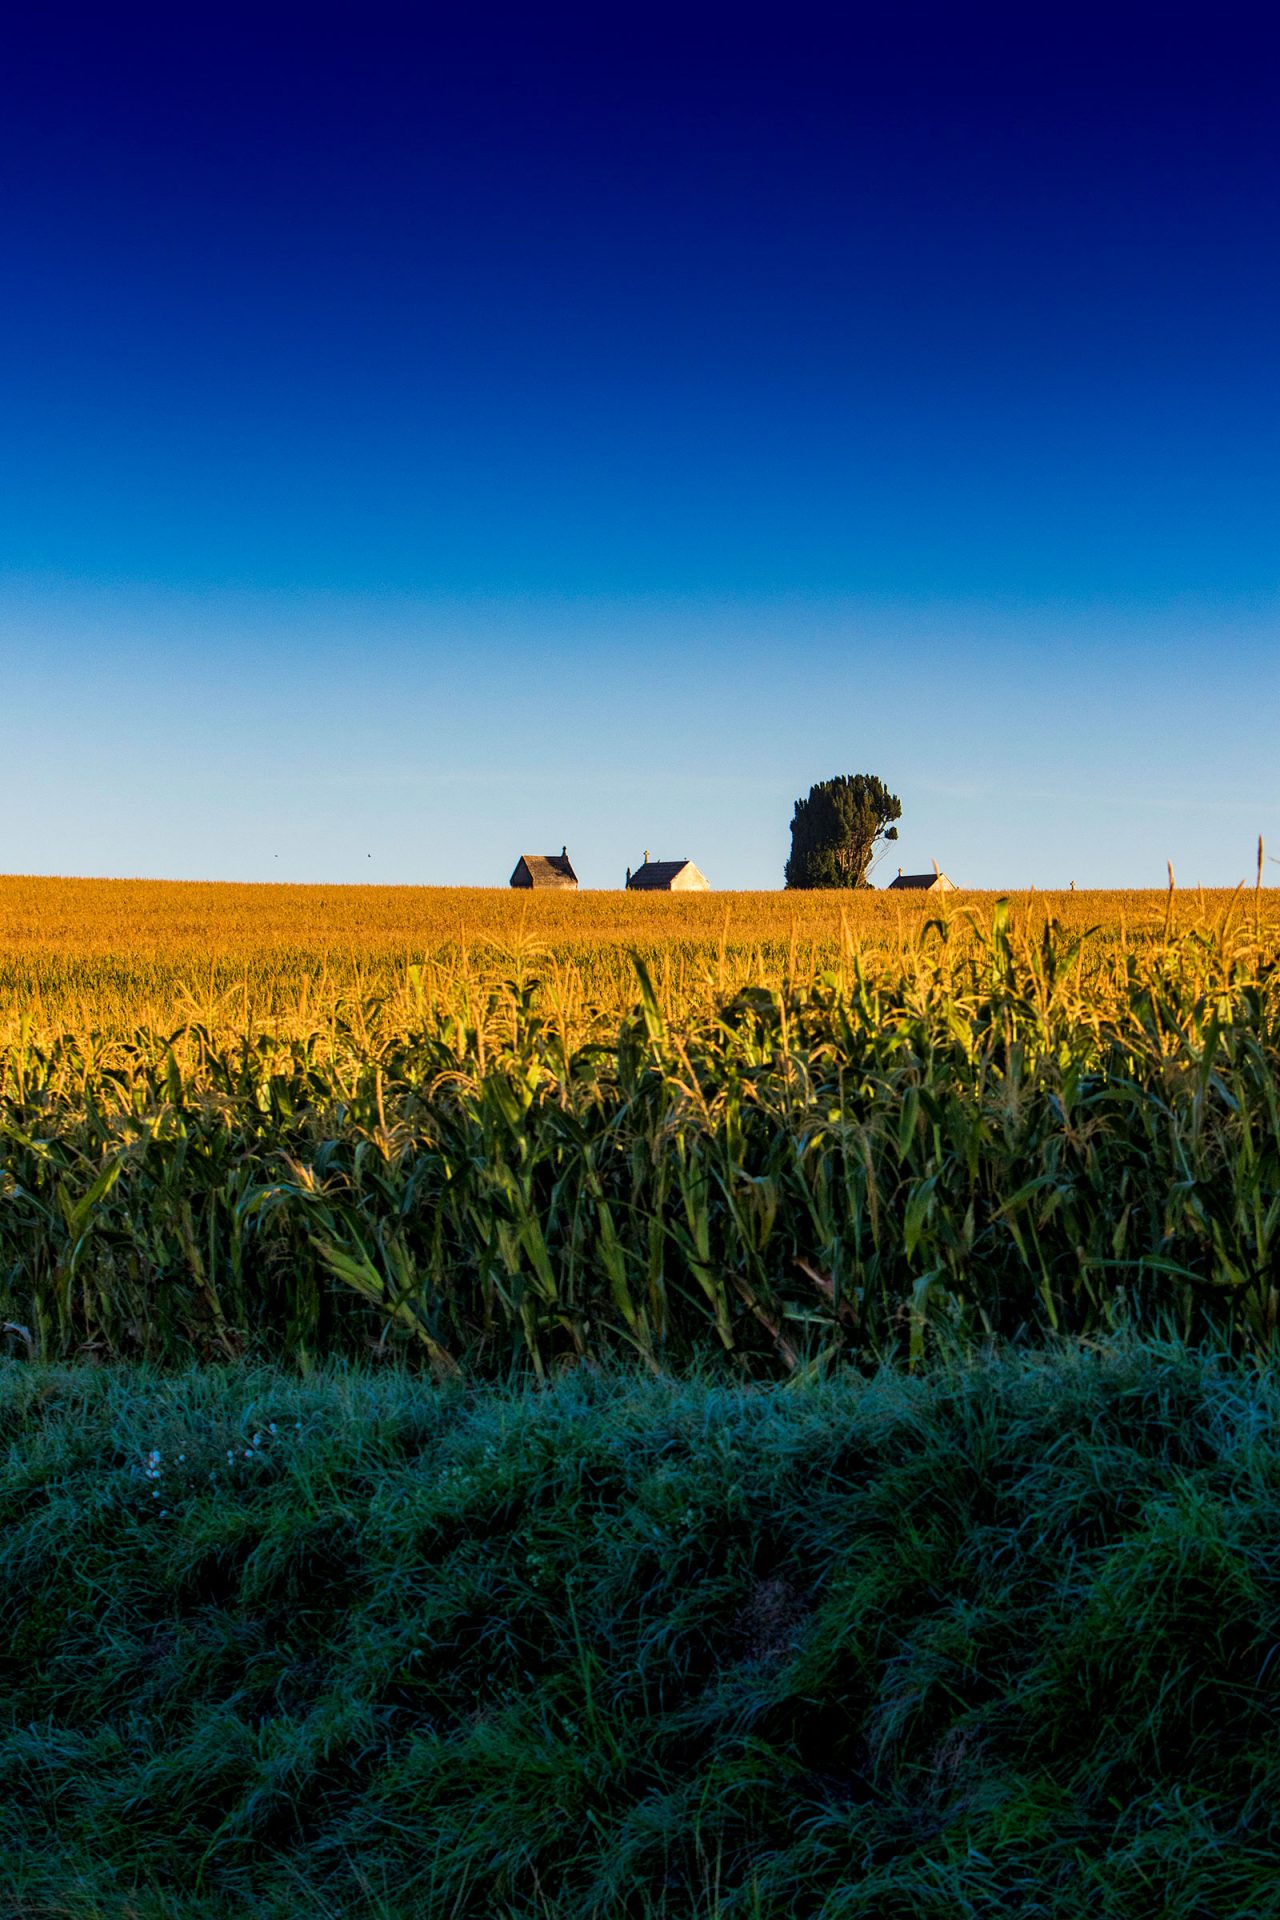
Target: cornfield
{"points": [[776, 1129], [115, 956]]}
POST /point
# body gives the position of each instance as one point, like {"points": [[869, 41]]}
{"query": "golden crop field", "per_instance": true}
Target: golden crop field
{"points": [[775, 1127], [115, 955], [568, 1124]]}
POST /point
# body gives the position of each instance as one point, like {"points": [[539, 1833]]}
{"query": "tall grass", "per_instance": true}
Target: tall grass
{"points": [[984, 1643], [998, 1126]]}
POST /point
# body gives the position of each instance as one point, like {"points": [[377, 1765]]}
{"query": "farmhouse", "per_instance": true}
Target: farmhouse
{"points": [[545, 870], [935, 882], [667, 876]]}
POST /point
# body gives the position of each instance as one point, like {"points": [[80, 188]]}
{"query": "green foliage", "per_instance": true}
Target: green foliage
{"points": [[984, 1143], [980, 1642], [834, 831]]}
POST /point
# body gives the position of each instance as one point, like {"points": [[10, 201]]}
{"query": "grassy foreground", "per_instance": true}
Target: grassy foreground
{"points": [[991, 1642]]}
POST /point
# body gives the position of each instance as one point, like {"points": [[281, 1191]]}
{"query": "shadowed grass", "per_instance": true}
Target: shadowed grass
{"points": [[975, 1642]]}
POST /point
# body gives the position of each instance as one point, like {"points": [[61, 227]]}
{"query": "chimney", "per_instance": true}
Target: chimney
{"points": [[646, 856], [899, 873], [564, 853]]}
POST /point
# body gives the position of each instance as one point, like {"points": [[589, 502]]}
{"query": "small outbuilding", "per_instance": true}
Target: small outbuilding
{"points": [[935, 882], [667, 876], [545, 870]]}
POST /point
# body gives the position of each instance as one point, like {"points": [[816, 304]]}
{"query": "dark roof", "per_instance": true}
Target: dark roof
{"points": [[658, 873], [547, 869], [920, 881]]}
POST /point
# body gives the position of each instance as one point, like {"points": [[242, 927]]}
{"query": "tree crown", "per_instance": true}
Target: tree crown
{"points": [[834, 831]]}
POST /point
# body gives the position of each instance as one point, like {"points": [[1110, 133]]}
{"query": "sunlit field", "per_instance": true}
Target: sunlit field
{"points": [[110, 956], [772, 1129]]}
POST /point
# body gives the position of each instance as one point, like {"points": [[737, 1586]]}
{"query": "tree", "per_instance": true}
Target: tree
{"points": [[834, 831]]}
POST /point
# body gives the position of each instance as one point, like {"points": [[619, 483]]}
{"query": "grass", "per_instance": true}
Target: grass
{"points": [[967, 1643], [997, 1127]]}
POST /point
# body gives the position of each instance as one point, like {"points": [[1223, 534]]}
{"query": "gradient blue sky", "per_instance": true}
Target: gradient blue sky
{"points": [[421, 441]]}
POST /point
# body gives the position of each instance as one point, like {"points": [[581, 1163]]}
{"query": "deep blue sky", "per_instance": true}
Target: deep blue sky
{"points": [[423, 440]]}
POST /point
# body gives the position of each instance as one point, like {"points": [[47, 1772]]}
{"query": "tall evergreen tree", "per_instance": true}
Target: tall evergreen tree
{"points": [[834, 831]]}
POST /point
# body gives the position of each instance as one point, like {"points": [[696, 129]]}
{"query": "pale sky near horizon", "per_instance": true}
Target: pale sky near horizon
{"points": [[419, 445], [302, 738]]}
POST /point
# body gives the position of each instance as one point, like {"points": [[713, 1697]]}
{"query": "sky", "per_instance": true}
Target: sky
{"points": [[427, 437]]}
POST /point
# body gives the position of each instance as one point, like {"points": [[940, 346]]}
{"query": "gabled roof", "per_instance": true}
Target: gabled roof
{"points": [[546, 870], [923, 882], [657, 875]]}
